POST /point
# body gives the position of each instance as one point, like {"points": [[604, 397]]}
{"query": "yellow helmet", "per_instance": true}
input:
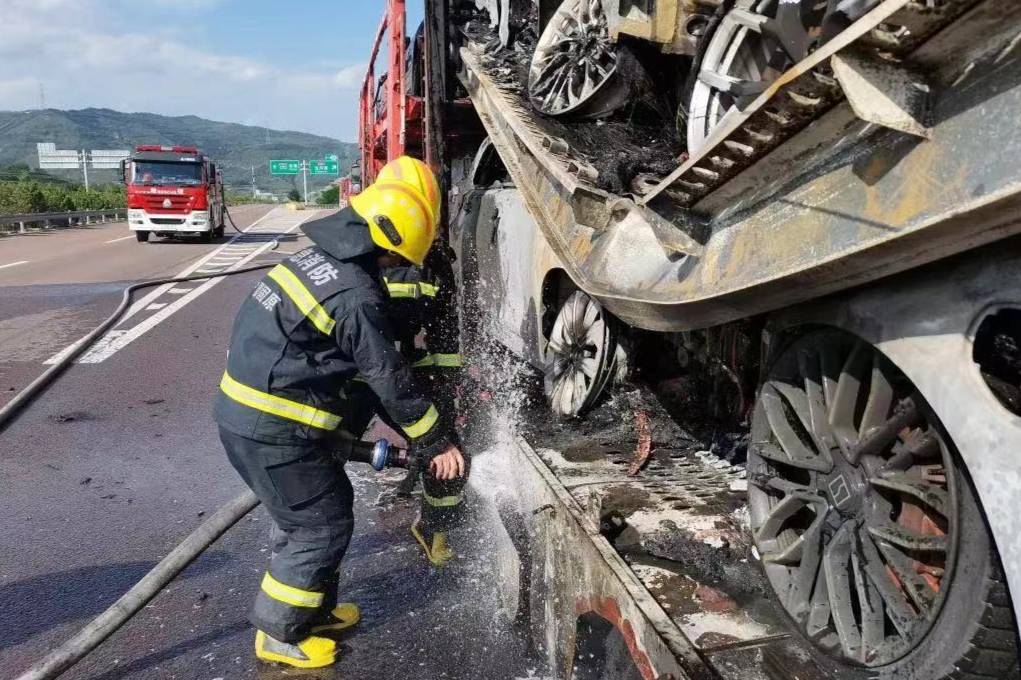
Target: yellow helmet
{"points": [[402, 208]]}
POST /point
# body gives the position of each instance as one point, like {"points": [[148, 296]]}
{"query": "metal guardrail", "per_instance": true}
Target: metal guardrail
{"points": [[61, 219]]}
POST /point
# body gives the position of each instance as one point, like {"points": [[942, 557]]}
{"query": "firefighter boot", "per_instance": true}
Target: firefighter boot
{"points": [[344, 615], [434, 544], [312, 652]]}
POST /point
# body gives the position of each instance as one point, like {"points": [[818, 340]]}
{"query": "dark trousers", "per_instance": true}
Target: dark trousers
{"points": [[309, 497], [442, 501]]}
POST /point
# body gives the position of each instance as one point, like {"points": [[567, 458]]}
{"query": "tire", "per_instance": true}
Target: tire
{"points": [[142, 236], [206, 236], [581, 356], [894, 527]]}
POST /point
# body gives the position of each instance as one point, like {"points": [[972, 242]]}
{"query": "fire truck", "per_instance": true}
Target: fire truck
{"points": [[173, 190]]}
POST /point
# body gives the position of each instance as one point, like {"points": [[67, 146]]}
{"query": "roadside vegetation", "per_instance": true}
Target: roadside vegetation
{"points": [[329, 196], [23, 190], [241, 198]]}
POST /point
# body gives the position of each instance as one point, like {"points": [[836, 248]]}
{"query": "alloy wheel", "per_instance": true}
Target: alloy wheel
{"points": [[580, 356], [853, 499], [574, 66], [753, 45]]}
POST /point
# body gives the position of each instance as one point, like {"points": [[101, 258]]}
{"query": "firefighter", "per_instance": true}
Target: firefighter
{"points": [[310, 326], [418, 305]]}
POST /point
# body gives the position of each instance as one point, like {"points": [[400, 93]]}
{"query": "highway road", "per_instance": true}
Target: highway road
{"points": [[119, 461]]}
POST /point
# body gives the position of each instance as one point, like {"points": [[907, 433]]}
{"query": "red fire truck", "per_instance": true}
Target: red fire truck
{"points": [[173, 190]]}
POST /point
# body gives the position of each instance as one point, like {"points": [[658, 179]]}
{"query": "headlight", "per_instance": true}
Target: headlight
{"points": [[199, 218], [136, 214]]}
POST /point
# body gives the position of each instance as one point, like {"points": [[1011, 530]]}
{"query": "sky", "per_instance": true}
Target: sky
{"points": [[278, 64]]}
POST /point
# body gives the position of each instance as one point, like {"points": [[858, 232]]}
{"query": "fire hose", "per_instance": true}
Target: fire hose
{"points": [[379, 455]]}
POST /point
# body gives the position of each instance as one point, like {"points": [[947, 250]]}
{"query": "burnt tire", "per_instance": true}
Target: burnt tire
{"points": [[869, 528], [582, 355]]}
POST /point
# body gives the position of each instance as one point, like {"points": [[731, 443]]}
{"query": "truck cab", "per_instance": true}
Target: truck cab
{"points": [[173, 190]]}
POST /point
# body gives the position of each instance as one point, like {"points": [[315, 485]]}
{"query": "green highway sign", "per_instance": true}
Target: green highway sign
{"points": [[285, 167], [326, 167], [331, 157]]}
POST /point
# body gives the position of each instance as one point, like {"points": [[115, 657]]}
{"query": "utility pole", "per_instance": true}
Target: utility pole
{"points": [[85, 169], [304, 180], [255, 191]]}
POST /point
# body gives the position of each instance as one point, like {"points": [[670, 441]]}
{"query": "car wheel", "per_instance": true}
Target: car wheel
{"points": [[581, 355], [142, 236], [866, 522]]}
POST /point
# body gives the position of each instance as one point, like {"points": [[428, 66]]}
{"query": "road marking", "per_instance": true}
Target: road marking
{"points": [[14, 264], [180, 291], [97, 355], [156, 305], [151, 297], [122, 238]]}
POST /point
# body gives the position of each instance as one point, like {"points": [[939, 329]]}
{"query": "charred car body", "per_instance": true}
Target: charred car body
{"points": [[830, 240]]}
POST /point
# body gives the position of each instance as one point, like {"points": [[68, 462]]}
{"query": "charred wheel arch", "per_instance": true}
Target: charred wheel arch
{"points": [[997, 352]]}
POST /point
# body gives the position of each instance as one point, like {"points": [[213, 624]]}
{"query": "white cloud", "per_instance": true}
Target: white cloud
{"points": [[350, 77], [65, 45]]}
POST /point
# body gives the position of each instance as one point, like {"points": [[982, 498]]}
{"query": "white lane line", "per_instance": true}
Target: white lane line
{"points": [[122, 238], [95, 356], [155, 306], [151, 297], [14, 264], [180, 291]]}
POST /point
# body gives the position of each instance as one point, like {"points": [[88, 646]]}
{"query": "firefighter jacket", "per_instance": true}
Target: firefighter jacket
{"points": [[311, 325], [419, 305]]}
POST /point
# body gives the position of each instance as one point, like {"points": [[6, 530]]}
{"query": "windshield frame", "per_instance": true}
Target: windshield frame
{"points": [[169, 178]]}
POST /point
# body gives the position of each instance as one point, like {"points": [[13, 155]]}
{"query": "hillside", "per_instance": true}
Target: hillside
{"points": [[235, 147]]}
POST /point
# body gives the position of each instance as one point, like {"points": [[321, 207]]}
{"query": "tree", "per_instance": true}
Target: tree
{"points": [[294, 195], [329, 196]]}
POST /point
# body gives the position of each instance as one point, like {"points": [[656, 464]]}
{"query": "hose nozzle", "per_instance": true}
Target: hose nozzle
{"points": [[380, 455]]}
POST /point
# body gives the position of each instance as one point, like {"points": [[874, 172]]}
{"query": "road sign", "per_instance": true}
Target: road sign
{"points": [[331, 157], [108, 159], [52, 158], [326, 167], [284, 167]]}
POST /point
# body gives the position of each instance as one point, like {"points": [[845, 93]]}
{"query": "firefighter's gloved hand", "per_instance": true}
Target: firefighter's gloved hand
{"points": [[449, 464]]}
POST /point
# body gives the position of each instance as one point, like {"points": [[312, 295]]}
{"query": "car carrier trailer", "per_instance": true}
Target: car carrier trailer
{"points": [[834, 257]]}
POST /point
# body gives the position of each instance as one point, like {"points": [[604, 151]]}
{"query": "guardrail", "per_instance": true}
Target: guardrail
{"points": [[61, 219]]}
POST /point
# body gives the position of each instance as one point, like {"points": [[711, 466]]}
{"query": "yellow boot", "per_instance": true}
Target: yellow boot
{"points": [[312, 652], [344, 615], [436, 551]]}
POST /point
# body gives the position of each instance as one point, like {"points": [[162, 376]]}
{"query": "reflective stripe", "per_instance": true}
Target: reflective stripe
{"points": [[278, 406], [401, 290], [439, 360], [296, 597], [302, 298], [441, 501], [423, 424], [398, 289]]}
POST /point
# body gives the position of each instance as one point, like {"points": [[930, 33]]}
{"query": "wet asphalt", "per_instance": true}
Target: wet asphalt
{"points": [[119, 461]]}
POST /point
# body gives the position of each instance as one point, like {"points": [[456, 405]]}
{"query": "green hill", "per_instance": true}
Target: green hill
{"points": [[235, 147]]}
